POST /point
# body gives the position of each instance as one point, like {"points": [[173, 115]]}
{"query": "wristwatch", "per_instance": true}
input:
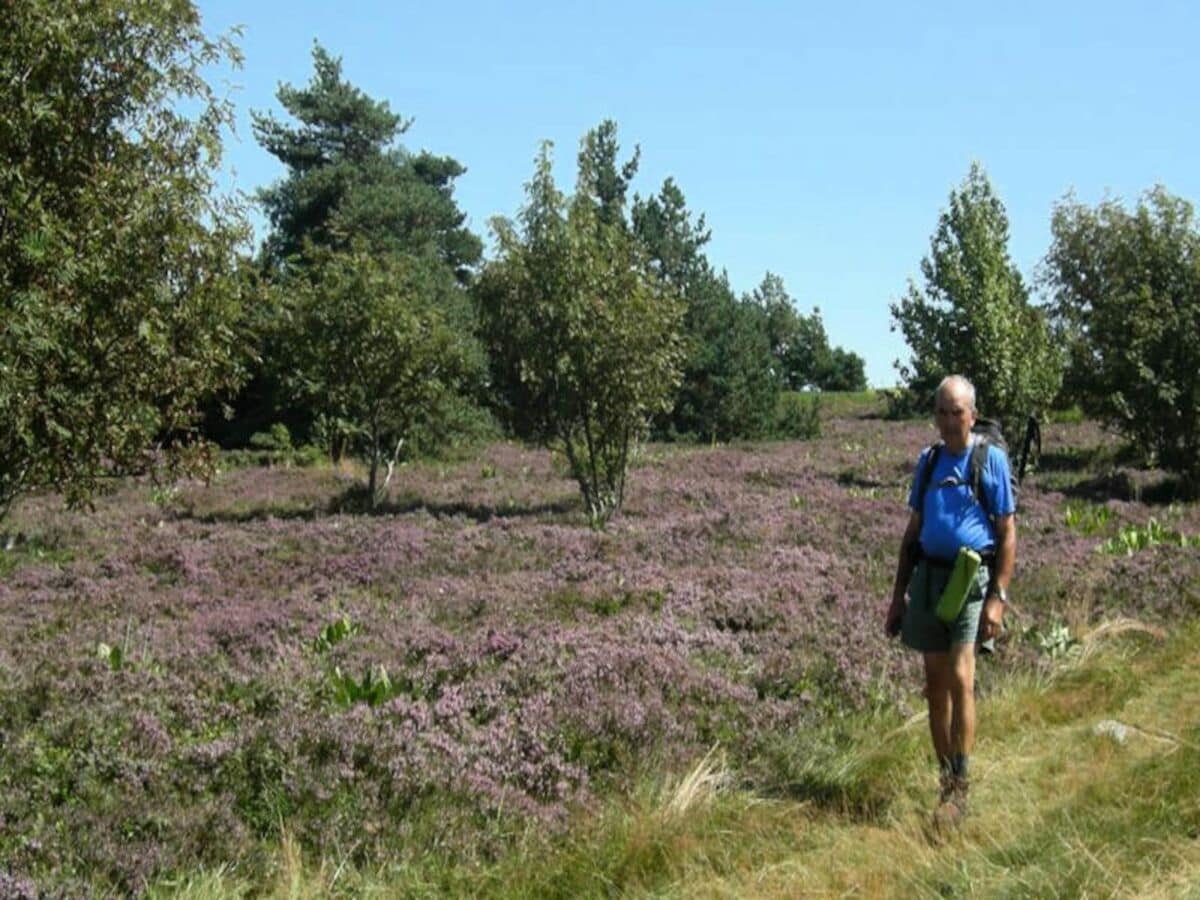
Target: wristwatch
{"points": [[999, 593]]}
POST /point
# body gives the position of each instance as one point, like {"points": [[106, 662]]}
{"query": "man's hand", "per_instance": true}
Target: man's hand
{"points": [[895, 617], [993, 614]]}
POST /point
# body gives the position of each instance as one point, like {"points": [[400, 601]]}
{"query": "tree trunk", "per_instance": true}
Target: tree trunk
{"points": [[373, 477]]}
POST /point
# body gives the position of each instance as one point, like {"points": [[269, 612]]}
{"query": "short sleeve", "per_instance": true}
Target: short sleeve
{"points": [[998, 485], [914, 502]]}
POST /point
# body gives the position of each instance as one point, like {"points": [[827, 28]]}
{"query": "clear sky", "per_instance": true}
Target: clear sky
{"points": [[821, 141]]}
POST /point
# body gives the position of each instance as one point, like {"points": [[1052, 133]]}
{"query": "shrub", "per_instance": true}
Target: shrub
{"points": [[1127, 292], [277, 438], [797, 416]]}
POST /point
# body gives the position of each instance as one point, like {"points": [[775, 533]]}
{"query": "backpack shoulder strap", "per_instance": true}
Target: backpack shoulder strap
{"points": [[932, 452], [979, 455]]}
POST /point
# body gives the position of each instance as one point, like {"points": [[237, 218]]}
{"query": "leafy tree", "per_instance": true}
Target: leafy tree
{"points": [[974, 317], [842, 370], [346, 182], [728, 389], [672, 241], [608, 180], [800, 345], [584, 336], [349, 189], [120, 290], [797, 342], [1127, 297], [372, 349]]}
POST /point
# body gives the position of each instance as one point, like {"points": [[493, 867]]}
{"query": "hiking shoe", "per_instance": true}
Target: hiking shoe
{"points": [[952, 802], [945, 786]]}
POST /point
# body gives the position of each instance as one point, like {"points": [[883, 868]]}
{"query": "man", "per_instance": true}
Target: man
{"points": [[945, 516]]}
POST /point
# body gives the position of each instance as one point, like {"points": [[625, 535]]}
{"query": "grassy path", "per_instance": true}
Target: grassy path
{"points": [[1059, 810]]}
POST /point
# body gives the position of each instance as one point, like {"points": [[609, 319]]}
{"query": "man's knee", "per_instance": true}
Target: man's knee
{"points": [[937, 690], [962, 669], [938, 674]]}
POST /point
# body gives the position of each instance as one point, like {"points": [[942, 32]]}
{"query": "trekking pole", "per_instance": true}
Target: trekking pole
{"points": [[1033, 432]]}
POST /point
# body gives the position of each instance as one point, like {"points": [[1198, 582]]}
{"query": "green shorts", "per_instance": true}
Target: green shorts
{"points": [[922, 629]]}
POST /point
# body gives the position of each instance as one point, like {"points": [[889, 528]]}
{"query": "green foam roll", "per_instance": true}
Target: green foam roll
{"points": [[954, 596]]}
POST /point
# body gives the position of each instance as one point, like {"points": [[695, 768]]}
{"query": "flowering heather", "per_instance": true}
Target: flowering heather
{"points": [[165, 701]]}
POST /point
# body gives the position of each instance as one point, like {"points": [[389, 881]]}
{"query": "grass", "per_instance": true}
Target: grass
{"points": [[857, 404], [32, 550], [1060, 809]]}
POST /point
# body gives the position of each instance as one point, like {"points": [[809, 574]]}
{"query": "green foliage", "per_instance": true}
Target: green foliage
{"points": [[672, 241], [585, 337], [334, 633], [1087, 518], [841, 370], [112, 656], [800, 346], [1134, 538], [739, 352], [372, 689], [606, 605], [1068, 415], [454, 425], [973, 317], [832, 767], [853, 404], [727, 387], [370, 349], [797, 416], [350, 193], [1127, 300], [17, 551], [730, 388], [346, 181], [115, 656], [120, 286], [304, 456], [1054, 640], [905, 403], [278, 438], [279, 447], [163, 495]]}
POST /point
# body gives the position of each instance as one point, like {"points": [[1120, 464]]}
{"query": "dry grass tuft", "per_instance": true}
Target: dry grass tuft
{"points": [[1115, 627], [698, 788]]}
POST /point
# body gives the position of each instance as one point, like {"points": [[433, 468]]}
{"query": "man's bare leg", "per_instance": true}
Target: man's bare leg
{"points": [[962, 699], [950, 692], [939, 696]]}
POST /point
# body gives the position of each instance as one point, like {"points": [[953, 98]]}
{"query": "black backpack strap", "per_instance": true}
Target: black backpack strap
{"points": [[979, 455], [926, 476]]}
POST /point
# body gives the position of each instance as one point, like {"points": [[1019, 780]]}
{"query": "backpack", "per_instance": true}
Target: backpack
{"points": [[989, 434]]}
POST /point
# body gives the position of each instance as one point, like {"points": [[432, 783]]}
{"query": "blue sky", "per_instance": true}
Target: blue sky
{"points": [[821, 141]]}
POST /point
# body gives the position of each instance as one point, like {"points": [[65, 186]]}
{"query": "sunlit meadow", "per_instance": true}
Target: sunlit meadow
{"points": [[186, 675]]}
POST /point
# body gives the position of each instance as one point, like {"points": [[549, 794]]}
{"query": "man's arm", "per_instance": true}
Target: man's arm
{"points": [[1006, 558], [904, 570]]}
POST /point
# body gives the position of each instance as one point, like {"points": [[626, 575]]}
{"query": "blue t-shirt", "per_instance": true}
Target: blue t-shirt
{"points": [[952, 517]]}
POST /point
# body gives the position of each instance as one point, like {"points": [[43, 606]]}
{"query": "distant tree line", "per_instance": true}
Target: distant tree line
{"points": [[138, 325]]}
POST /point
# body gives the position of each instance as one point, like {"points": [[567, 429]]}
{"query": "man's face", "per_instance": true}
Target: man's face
{"points": [[953, 416]]}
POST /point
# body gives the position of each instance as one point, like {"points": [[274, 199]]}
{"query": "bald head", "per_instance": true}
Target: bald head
{"points": [[954, 412], [958, 388]]}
